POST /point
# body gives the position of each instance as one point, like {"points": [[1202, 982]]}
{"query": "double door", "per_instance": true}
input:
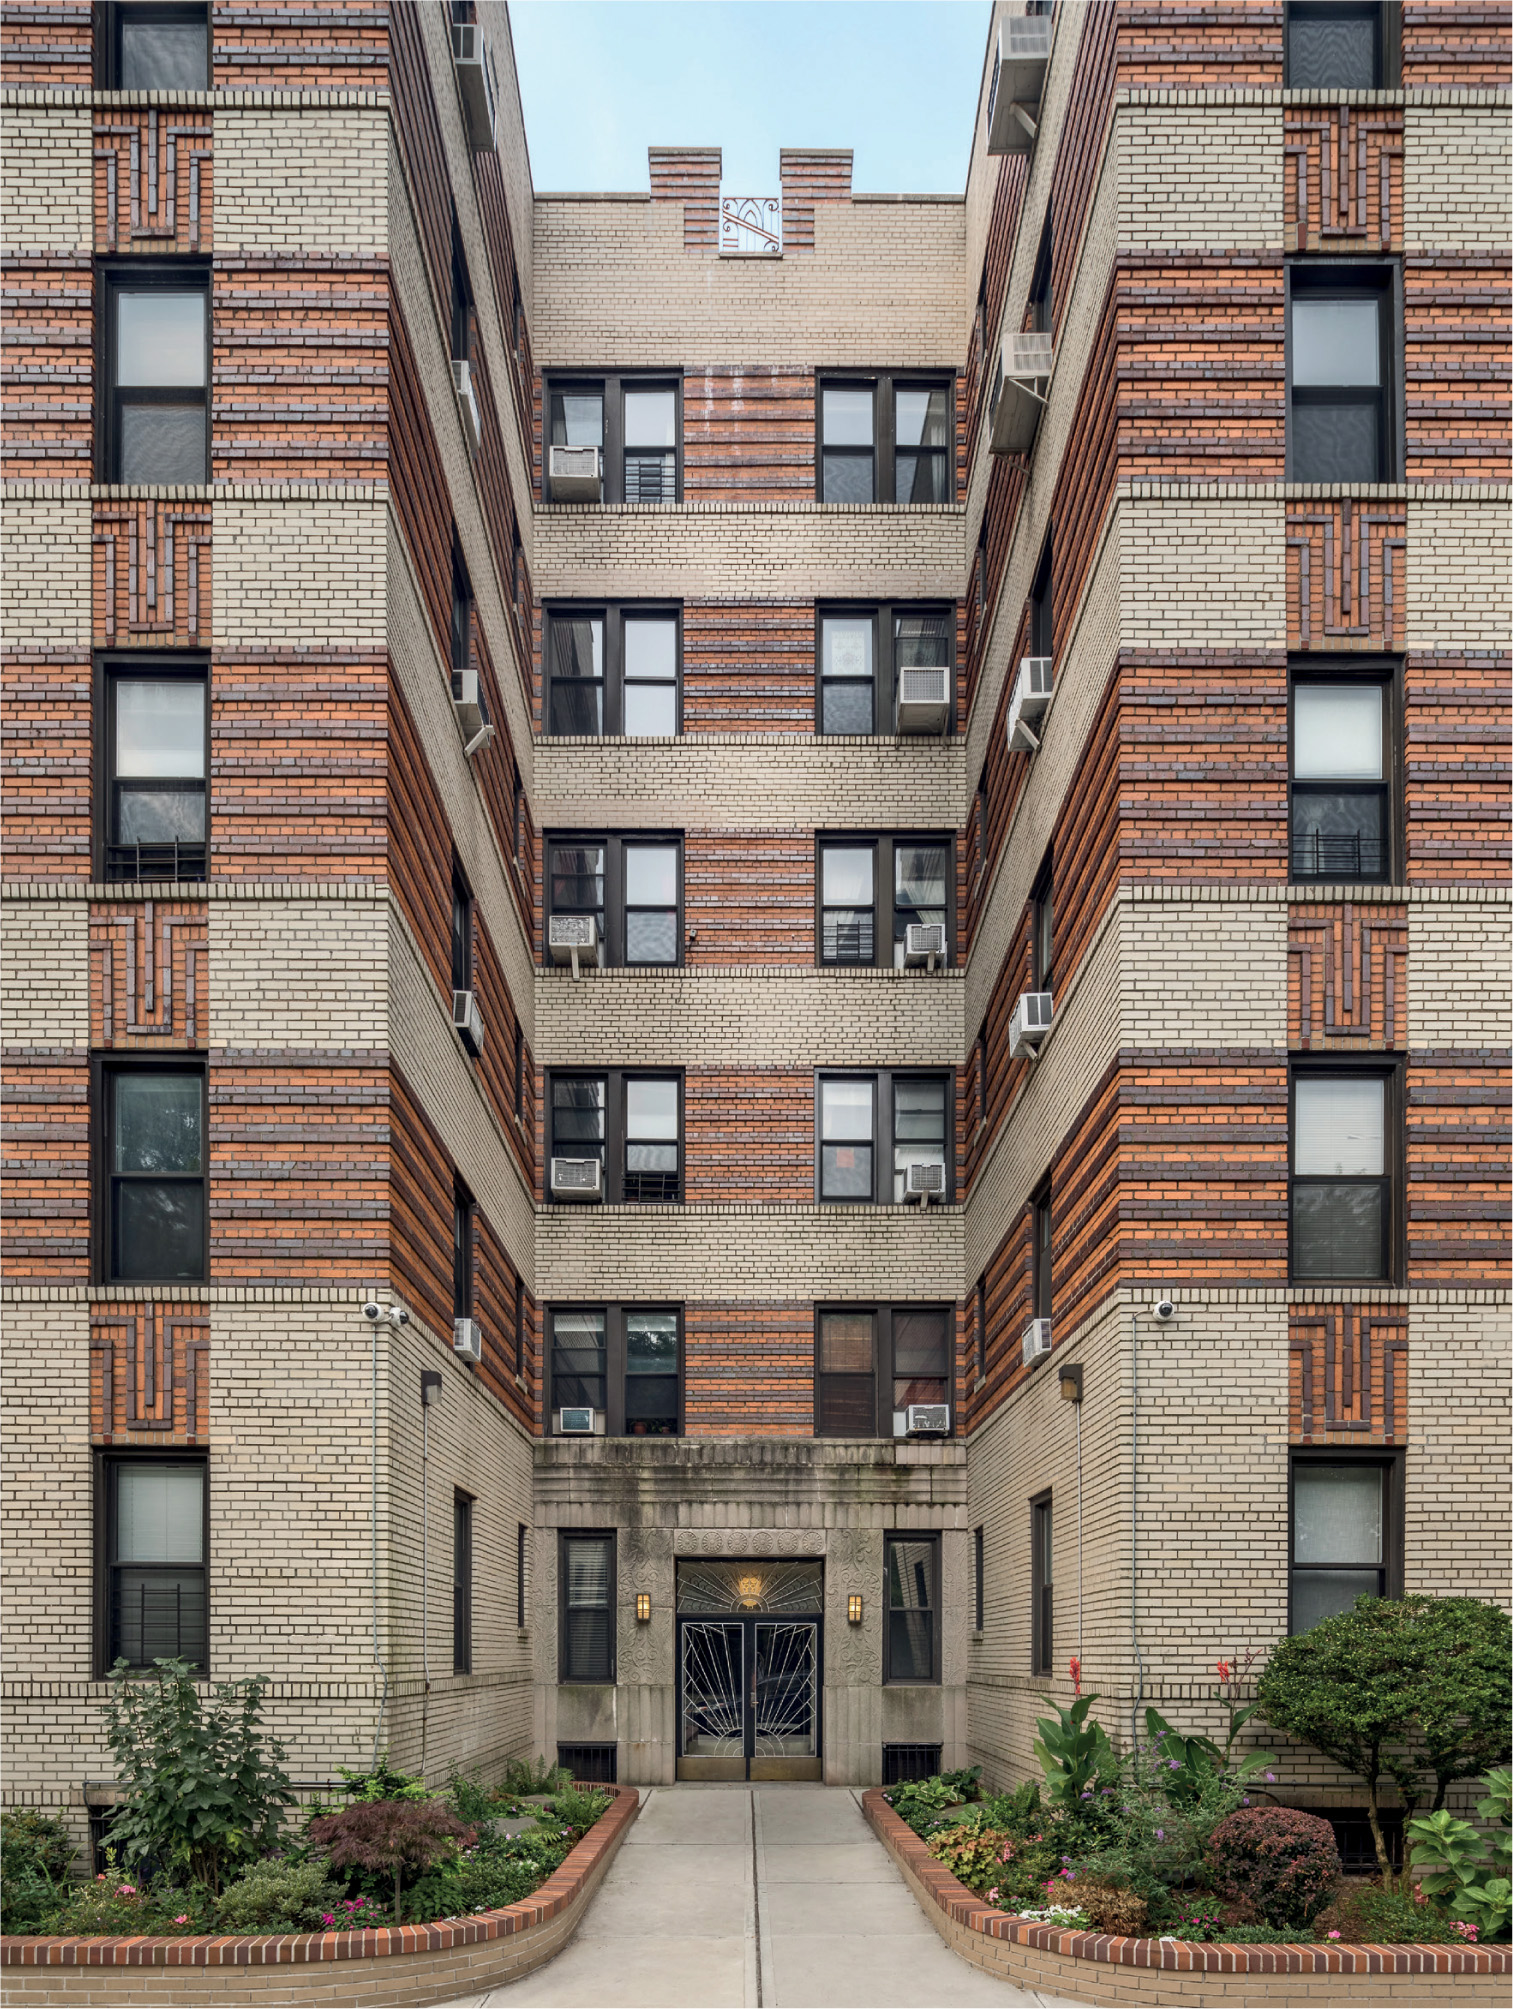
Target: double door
{"points": [[748, 1698]]}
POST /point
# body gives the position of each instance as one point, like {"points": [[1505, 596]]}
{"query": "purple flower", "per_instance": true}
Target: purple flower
{"points": [[1271, 1778], [1244, 1803], [1174, 1764], [1160, 1834]]}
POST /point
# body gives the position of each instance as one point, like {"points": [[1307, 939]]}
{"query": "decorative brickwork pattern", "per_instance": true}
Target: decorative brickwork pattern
{"points": [[1346, 574], [1457, 1164], [748, 1370], [44, 1160], [810, 176], [48, 395], [302, 45], [690, 175], [1344, 184], [148, 972], [153, 181], [748, 434], [47, 43], [1347, 978], [1456, 327], [149, 1380], [1348, 1374], [152, 573]]}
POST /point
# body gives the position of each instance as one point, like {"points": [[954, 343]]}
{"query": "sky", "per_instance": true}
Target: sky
{"points": [[895, 80]]}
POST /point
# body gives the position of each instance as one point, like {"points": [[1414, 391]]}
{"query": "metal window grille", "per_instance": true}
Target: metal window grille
{"points": [[590, 1764], [904, 1763]]}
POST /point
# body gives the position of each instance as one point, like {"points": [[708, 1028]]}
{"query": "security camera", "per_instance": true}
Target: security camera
{"points": [[375, 1314], [398, 1315], [372, 1313], [1163, 1311]]}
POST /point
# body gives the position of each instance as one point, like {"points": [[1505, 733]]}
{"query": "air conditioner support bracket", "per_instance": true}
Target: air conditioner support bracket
{"points": [[479, 741], [575, 962], [1022, 115]]}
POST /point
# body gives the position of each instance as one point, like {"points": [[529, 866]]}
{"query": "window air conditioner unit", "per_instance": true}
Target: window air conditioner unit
{"points": [[577, 1179], [1033, 1016], [467, 1339], [575, 473], [476, 84], [467, 707], [1019, 392], [467, 406], [569, 936], [925, 1182], [1037, 1340], [468, 1020], [924, 942], [580, 1422], [924, 700], [1024, 50], [923, 1419], [1034, 688]]}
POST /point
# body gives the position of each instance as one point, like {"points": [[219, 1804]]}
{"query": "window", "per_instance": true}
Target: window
{"points": [[980, 1076], [861, 653], [1040, 1259], [462, 931], [587, 1572], [1333, 45], [462, 617], [637, 424], [1345, 1540], [632, 886], [153, 1195], [462, 299], [522, 1537], [462, 1584], [155, 724], [153, 47], [980, 1328], [1342, 756], [632, 1123], [1041, 1615], [1040, 320], [519, 1075], [1342, 418], [614, 671], [980, 578], [154, 1563], [886, 439], [910, 1648], [1043, 930], [156, 346], [625, 1361], [1342, 1198], [977, 1578], [908, 1109], [914, 874], [463, 1224], [1042, 608], [872, 1365], [520, 1326]]}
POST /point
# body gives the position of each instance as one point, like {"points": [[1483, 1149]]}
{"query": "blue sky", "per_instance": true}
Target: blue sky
{"points": [[896, 80]]}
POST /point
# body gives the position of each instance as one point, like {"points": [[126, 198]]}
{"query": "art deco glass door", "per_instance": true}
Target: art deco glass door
{"points": [[749, 1669]]}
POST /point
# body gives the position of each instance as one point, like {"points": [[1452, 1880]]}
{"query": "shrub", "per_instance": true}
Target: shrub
{"points": [[1285, 1861], [470, 1800], [279, 1895], [1111, 1907], [499, 1870], [974, 1855], [1456, 1864], [1190, 1915], [579, 1807], [391, 1836], [35, 1853], [528, 1776], [1075, 1755], [1377, 1916], [1020, 1812], [381, 1783]]}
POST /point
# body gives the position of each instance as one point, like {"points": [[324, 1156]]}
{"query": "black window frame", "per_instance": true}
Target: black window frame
{"points": [[883, 846], [980, 1335], [930, 1539], [884, 616], [1330, 279], [979, 1573], [522, 1561], [1043, 926], [464, 930], [107, 1466], [885, 386], [1042, 1251], [520, 1328], [612, 386], [615, 1081], [181, 275], [1388, 1069], [462, 1581], [1385, 673], [112, 667], [566, 1677], [105, 1071], [1387, 51], [1042, 601], [464, 1250], [614, 614], [1042, 1584], [1391, 1463], [464, 607], [612, 934], [1040, 317], [884, 1362], [108, 18], [883, 1081], [461, 306], [616, 1372]]}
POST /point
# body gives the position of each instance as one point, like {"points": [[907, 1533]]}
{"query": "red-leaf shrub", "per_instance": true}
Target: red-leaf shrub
{"points": [[1283, 1861], [392, 1835]]}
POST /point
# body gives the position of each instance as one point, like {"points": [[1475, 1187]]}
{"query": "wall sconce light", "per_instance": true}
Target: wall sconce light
{"points": [[430, 1387], [854, 1609], [643, 1606], [1071, 1383]]}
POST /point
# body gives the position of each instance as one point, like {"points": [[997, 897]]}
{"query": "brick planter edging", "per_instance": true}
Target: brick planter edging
{"points": [[558, 1902], [965, 1918]]}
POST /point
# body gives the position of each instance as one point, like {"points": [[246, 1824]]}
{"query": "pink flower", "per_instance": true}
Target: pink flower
{"points": [[328, 1918], [992, 1896], [182, 1919], [1465, 1930], [126, 1890], [1333, 1932]]}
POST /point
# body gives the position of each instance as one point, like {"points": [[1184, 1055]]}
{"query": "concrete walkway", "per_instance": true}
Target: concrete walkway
{"points": [[754, 1897]]}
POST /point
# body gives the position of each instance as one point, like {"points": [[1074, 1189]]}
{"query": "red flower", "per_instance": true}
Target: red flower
{"points": [[1076, 1673], [1225, 1668]]}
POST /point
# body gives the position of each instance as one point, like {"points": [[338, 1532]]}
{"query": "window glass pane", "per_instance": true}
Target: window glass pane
{"points": [[651, 711], [157, 1122], [922, 641], [920, 477], [919, 1342], [651, 1342], [1340, 1123], [846, 1343], [1320, 1594], [158, 1614], [160, 727], [846, 645], [651, 648], [847, 415], [1339, 836], [846, 875], [919, 1109], [578, 709], [846, 1110], [160, 338], [919, 872], [1338, 1230], [1337, 1514], [651, 937], [909, 1575], [920, 417], [159, 815], [1337, 732], [577, 418], [578, 647], [848, 477], [162, 443], [577, 878], [158, 1231], [577, 1114], [651, 1109], [1336, 342], [1331, 50], [578, 1359], [847, 708], [1336, 442], [910, 1621], [160, 1514], [651, 418], [651, 875], [164, 55]]}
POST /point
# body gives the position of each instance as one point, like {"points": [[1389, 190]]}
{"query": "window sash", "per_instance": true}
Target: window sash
{"points": [[171, 1203], [588, 1612], [911, 1565], [154, 1608], [1324, 1583], [462, 1584], [1041, 1576]]}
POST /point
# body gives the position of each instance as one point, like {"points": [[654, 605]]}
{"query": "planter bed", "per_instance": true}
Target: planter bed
{"points": [[1097, 1968], [390, 1965]]}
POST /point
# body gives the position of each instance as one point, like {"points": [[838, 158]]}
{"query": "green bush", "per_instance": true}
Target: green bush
{"points": [[526, 1777], [279, 1895], [496, 1871], [579, 1807], [472, 1801], [35, 1854], [1379, 1916]]}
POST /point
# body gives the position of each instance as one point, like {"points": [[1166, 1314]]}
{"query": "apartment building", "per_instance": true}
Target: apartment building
{"points": [[850, 847]]}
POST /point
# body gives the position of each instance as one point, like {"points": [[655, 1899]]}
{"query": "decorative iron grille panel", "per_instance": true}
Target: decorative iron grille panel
{"points": [[751, 226], [712, 1585]]}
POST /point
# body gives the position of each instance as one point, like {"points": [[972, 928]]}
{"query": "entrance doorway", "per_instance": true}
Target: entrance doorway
{"points": [[749, 1670]]}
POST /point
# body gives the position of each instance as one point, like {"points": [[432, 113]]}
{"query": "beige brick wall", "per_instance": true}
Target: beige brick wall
{"points": [[1456, 1495], [1190, 179], [298, 972], [1458, 572], [1459, 989], [1455, 177], [299, 567], [44, 973], [305, 177], [45, 566], [47, 177], [1203, 570]]}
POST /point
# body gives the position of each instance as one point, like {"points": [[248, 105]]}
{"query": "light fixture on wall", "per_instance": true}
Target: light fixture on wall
{"points": [[1071, 1383], [643, 1606], [854, 1608], [749, 1589], [430, 1387]]}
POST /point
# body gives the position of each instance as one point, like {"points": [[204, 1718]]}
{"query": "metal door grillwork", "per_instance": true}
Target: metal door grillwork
{"points": [[714, 1692], [783, 1715]]}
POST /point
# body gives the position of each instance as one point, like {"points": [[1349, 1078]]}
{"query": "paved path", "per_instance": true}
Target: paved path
{"points": [[764, 1897]]}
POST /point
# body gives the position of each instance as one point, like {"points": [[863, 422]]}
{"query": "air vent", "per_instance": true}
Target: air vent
{"points": [[468, 1020], [475, 83], [1037, 1340], [1034, 687], [575, 474], [577, 1179], [467, 1339], [924, 700], [1019, 392], [1032, 1020], [470, 712], [1024, 50], [924, 944]]}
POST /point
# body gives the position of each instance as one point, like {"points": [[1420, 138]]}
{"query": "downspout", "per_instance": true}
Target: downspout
{"points": [[1078, 1407], [1134, 1535], [383, 1692], [425, 1577]]}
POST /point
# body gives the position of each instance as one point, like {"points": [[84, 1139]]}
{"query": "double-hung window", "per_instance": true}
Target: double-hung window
{"points": [[635, 422], [632, 889], [613, 671], [1042, 603], [154, 1588], [153, 1211], [1340, 45], [912, 1643], [1043, 929], [886, 439], [1343, 1153], [462, 1583], [872, 1365], [1342, 764], [1041, 1275], [157, 359], [462, 931], [872, 890], [462, 299], [155, 720], [623, 1361], [586, 1640], [863, 649], [1343, 411], [1344, 1534], [631, 1123], [464, 1224], [1043, 1605], [152, 45], [910, 1111]]}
